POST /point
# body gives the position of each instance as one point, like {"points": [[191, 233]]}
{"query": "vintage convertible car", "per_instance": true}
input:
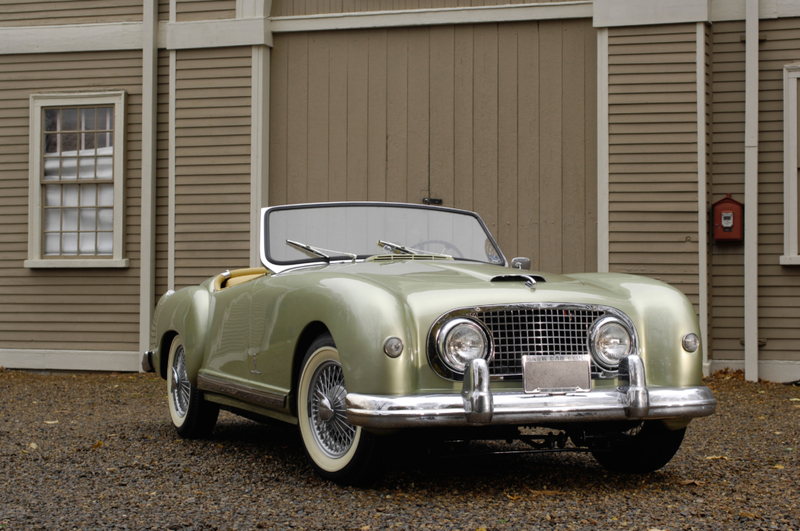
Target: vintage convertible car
{"points": [[369, 321]]}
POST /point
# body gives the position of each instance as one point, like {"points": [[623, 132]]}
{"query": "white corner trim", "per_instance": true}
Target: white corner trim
{"points": [[71, 360], [790, 256], [71, 38], [779, 371], [430, 17], [259, 147], [219, 33], [253, 8], [602, 152], [173, 76], [609, 13], [702, 209]]}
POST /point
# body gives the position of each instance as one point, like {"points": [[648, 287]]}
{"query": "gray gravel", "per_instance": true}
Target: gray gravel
{"points": [[98, 452]]}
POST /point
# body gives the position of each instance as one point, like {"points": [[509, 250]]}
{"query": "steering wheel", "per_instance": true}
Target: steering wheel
{"points": [[446, 245]]}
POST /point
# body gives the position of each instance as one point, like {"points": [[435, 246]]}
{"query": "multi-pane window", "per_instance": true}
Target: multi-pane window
{"points": [[76, 180]]}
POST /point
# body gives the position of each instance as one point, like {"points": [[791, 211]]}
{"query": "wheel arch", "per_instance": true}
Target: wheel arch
{"points": [[309, 334]]}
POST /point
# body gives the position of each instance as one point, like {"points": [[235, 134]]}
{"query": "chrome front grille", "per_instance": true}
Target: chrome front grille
{"points": [[517, 332]]}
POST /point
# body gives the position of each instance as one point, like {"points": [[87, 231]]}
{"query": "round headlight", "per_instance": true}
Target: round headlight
{"points": [[461, 341], [691, 342], [610, 342]]}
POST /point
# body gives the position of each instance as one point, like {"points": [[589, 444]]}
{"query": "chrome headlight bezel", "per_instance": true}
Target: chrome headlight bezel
{"points": [[448, 328], [600, 358]]}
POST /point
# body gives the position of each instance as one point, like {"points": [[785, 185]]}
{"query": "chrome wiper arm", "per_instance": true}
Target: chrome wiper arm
{"points": [[408, 250], [319, 251]]}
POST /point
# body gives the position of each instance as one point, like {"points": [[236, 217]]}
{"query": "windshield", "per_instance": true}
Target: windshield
{"points": [[342, 229]]}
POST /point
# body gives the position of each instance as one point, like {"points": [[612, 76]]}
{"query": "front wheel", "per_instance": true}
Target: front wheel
{"points": [[191, 415], [643, 449], [336, 449]]}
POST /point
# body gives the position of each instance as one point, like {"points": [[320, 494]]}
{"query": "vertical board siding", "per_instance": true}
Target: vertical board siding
{"points": [[653, 219], [470, 114], [189, 10], [162, 177], [212, 162], [287, 8], [65, 309], [779, 286], [49, 13]]}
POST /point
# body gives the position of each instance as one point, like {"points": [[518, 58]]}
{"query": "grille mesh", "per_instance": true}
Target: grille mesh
{"points": [[536, 331]]}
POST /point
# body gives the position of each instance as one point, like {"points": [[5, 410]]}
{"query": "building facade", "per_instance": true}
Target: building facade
{"points": [[140, 140]]}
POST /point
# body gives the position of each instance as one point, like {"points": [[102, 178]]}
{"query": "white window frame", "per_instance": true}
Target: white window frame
{"points": [[37, 104], [791, 73]]}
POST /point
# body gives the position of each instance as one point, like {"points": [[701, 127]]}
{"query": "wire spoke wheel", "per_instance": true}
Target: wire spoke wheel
{"points": [[181, 386], [327, 413], [191, 415]]}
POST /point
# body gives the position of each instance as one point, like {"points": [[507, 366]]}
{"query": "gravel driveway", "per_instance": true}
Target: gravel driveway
{"points": [[98, 452]]}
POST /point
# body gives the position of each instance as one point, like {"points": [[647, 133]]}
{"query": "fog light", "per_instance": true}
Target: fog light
{"points": [[393, 347], [691, 342]]}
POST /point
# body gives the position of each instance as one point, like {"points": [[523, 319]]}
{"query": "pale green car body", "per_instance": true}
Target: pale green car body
{"points": [[245, 346]]}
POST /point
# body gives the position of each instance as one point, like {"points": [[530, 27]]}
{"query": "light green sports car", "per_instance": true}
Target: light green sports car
{"points": [[373, 320]]}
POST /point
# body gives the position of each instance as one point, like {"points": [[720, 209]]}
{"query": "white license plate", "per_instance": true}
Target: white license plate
{"points": [[556, 374]]}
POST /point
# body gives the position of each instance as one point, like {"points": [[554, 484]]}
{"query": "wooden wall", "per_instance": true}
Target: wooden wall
{"points": [[65, 309], [282, 8], [188, 10], [653, 220], [212, 181], [779, 286], [48, 13], [499, 118], [162, 177]]}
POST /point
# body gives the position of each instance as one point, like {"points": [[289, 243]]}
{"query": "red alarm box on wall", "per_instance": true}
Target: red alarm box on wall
{"points": [[728, 215]]}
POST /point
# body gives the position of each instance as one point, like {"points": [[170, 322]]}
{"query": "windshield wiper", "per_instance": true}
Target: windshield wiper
{"points": [[319, 251], [389, 246]]}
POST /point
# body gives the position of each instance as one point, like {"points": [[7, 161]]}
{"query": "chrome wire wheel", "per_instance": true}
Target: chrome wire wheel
{"points": [[327, 412], [181, 388]]}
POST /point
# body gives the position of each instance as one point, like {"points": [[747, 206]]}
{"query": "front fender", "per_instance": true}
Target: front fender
{"points": [[184, 312]]}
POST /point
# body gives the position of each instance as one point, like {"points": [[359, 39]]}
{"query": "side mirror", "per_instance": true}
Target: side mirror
{"points": [[521, 262]]}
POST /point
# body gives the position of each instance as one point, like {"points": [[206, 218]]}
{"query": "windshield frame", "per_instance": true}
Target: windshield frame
{"points": [[277, 266]]}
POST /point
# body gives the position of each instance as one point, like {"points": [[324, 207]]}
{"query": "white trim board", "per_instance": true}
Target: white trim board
{"points": [[71, 360], [71, 38], [780, 371], [219, 33], [791, 73], [608, 13], [602, 152], [702, 208]]}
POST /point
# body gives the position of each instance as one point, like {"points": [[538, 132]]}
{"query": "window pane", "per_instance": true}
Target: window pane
{"points": [[69, 143], [87, 119], [69, 243], [87, 242], [105, 167], [51, 169], [105, 195], [105, 243], [52, 195], [71, 195], [69, 219], [69, 168], [51, 119], [52, 243], [69, 120], [50, 144], [88, 219], [105, 118], [105, 219], [87, 144], [86, 169], [88, 194], [52, 219]]}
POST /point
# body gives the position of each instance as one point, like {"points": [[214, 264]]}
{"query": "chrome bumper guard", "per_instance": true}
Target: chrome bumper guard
{"points": [[147, 362], [477, 405]]}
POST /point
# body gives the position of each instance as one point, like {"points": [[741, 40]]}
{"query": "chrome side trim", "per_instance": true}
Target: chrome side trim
{"points": [[418, 411], [240, 392]]}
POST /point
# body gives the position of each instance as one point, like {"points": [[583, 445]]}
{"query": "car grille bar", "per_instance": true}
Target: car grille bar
{"points": [[535, 331]]}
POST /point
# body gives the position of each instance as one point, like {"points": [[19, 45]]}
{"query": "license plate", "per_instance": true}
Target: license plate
{"points": [[556, 374]]}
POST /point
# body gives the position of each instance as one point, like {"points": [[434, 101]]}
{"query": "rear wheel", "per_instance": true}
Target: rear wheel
{"points": [[191, 415], [643, 449], [336, 449]]}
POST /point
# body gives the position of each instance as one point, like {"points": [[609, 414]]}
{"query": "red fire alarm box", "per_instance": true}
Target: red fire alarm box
{"points": [[728, 220]]}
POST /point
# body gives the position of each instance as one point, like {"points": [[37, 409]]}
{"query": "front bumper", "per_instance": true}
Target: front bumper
{"points": [[477, 405]]}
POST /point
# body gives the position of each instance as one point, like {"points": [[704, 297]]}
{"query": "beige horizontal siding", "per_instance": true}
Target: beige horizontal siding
{"points": [[653, 154], [65, 309], [212, 158], [48, 13], [163, 10], [500, 119], [283, 8], [189, 10], [779, 287]]}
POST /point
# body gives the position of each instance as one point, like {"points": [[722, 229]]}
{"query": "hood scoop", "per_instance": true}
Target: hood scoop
{"points": [[529, 280]]}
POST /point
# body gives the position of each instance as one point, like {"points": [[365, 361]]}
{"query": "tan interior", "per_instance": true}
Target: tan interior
{"points": [[229, 279]]}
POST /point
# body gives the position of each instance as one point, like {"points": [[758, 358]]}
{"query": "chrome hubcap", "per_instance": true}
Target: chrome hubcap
{"points": [[181, 387], [327, 412]]}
